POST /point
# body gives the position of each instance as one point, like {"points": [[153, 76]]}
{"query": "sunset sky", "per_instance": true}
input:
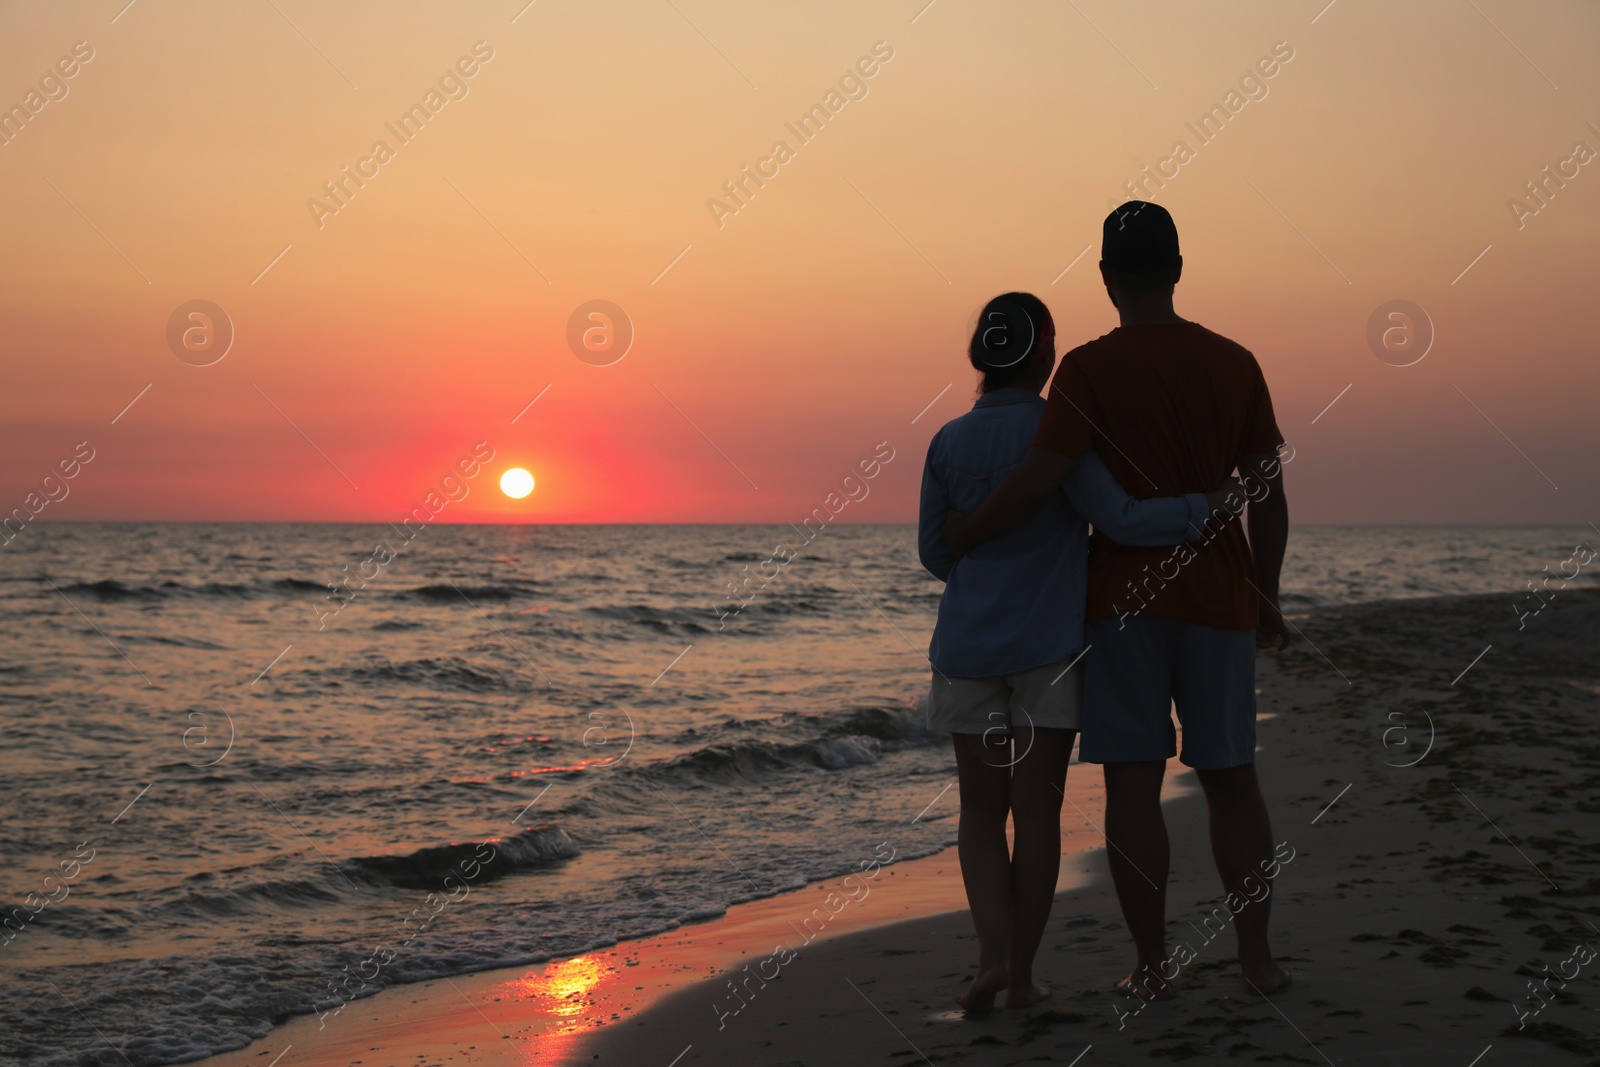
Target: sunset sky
{"points": [[780, 340]]}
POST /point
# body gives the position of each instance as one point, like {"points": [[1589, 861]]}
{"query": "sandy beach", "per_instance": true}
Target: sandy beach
{"points": [[1432, 781]]}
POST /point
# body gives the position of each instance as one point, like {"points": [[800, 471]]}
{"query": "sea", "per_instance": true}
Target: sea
{"points": [[253, 771]]}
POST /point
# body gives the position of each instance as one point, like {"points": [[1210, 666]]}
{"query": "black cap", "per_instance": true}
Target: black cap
{"points": [[1138, 236]]}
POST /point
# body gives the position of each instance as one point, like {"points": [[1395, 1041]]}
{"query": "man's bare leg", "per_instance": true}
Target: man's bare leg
{"points": [[1241, 843], [1139, 854]]}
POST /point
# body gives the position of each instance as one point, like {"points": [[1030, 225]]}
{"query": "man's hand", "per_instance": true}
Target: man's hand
{"points": [[1269, 536], [1229, 498], [955, 529], [1271, 631]]}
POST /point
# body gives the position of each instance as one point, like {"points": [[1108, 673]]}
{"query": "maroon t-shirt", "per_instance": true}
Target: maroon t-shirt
{"points": [[1172, 408]]}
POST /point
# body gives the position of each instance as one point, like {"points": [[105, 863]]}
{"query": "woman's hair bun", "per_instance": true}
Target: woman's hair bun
{"points": [[1007, 332]]}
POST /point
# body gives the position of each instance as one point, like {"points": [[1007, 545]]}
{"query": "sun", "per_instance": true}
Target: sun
{"points": [[516, 483]]}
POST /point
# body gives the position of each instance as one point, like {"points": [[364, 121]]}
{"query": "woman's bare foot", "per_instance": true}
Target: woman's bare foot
{"points": [[1026, 996], [1144, 984], [1265, 978], [986, 985]]}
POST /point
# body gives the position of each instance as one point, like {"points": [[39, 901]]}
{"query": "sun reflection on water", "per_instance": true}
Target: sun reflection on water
{"points": [[562, 987]]}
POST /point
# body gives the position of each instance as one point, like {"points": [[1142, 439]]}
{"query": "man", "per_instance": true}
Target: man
{"points": [[1172, 408]]}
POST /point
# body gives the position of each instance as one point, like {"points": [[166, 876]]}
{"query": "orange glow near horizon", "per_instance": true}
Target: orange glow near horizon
{"points": [[572, 255]]}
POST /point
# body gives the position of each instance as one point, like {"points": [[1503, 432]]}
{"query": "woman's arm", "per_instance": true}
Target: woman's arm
{"points": [[931, 546], [1100, 498]]}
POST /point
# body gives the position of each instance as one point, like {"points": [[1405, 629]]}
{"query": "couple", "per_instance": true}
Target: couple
{"points": [[1038, 637]]}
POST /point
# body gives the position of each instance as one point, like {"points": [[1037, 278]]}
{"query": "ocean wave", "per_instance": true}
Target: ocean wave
{"points": [[253, 897], [792, 604], [894, 724], [860, 737], [207, 897], [449, 592], [174, 641], [297, 585], [396, 625], [80, 923], [662, 620], [449, 672], [113, 590], [535, 848]]}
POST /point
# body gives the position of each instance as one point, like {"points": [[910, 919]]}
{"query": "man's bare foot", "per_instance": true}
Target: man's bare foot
{"points": [[986, 985], [1145, 984], [1026, 996], [1265, 978]]}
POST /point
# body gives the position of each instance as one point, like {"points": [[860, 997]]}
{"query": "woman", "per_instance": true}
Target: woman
{"points": [[1010, 629]]}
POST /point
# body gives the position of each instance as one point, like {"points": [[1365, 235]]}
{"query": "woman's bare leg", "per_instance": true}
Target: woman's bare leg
{"points": [[985, 863], [1037, 782]]}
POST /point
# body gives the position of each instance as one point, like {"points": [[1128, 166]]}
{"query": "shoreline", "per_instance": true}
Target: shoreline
{"points": [[543, 1009], [1410, 923], [543, 1012]]}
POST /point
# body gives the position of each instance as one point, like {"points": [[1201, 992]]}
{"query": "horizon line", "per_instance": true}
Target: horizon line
{"points": [[752, 522]]}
